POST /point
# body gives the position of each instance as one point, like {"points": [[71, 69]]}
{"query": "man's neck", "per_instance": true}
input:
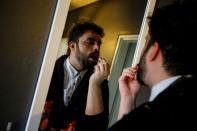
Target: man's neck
{"points": [[74, 62], [159, 76]]}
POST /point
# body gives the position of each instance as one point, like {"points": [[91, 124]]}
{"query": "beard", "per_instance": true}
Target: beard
{"points": [[87, 61], [141, 70]]}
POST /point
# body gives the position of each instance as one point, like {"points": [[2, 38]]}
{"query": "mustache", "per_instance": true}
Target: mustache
{"points": [[94, 54]]}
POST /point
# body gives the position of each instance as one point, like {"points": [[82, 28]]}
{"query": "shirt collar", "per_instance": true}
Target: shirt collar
{"points": [[158, 88], [72, 72]]}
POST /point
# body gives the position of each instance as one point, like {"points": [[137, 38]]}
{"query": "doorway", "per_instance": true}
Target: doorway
{"points": [[123, 58]]}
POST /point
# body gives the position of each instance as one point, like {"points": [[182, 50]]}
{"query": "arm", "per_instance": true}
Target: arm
{"points": [[97, 105], [98, 122], [129, 87], [94, 103]]}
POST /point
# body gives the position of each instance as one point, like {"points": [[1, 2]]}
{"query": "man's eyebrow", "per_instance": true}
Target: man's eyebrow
{"points": [[91, 38], [94, 39]]}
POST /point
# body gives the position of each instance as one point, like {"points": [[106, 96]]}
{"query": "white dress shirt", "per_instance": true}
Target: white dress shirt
{"points": [[71, 80], [161, 86]]}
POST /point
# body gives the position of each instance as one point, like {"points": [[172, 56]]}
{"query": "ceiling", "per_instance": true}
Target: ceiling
{"points": [[75, 4]]}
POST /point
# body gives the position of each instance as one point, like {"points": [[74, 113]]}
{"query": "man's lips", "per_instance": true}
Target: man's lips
{"points": [[93, 59], [94, 56]]}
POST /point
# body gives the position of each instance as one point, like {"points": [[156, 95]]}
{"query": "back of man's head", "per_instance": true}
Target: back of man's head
{"points": [[174, 27]]}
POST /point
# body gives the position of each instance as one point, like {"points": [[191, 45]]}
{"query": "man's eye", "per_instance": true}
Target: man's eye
{"points": [[90, 42]]}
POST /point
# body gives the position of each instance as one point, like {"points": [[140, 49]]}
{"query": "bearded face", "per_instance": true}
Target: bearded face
{"points": [[86, 50], [87, 60], [142, 69]]}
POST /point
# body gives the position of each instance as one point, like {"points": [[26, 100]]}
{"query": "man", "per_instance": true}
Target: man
{"points": [[167, 67], [78, 94]]}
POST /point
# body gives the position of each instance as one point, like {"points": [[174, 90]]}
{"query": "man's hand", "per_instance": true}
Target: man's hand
{"points": [[128, 87], [101, 72], [94, 103]]}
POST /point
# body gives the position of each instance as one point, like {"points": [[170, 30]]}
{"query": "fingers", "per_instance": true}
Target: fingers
{"points": [[100, 60], [101, 72], [129, 73], [102, 66]]}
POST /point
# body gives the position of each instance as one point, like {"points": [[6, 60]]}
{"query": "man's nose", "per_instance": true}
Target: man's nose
{"points": [[96, 46]]}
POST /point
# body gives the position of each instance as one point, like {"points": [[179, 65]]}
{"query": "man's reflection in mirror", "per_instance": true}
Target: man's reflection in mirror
{"points": [[78, 95]]}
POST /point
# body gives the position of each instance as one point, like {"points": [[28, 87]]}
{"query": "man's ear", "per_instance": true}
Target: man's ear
{"points": [[154, 51], [71, 45]]}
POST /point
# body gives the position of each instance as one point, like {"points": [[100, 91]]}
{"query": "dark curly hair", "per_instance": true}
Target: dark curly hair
{"points": [[174, 27]]}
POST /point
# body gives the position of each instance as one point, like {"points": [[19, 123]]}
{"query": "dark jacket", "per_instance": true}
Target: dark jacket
{"points": [[61, 116], [173, 109]]}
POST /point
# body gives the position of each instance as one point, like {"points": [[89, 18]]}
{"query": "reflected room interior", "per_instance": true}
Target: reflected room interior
{"points": [[118, 18]]}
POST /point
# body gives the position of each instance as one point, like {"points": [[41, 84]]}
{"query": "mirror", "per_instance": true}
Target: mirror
{"points": [[118, 18], [121, 21]]}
